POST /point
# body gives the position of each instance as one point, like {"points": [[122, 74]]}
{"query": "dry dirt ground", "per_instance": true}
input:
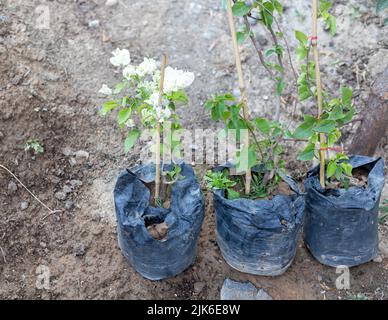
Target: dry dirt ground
{"points": [[49, 78]]}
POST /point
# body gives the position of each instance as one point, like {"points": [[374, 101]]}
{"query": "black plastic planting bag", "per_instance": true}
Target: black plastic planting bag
{"points": [[341, 226], [158, 259], [259, 236]]}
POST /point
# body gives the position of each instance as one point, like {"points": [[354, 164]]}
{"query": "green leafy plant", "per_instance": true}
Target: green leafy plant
{"points": [[265, 142], [173, 175], [267, 12], [322, 131], [146, 98], [383, 212], [220, 181], [34, 145]]}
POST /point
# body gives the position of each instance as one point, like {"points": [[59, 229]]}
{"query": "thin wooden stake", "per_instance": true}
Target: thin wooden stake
{"points": [[157, 162], [248, 175], [314, 43]]}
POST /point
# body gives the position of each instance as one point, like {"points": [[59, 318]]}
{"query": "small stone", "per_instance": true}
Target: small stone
{"points": [[72, 162], [94, 24], [67, 189], [383, 247], [80, 250], [233, 290], [378, 259], [81, 155], [43, 244], [1, 135], [67, 151], [76, 183], [97, 231], [12, 187], [263, 295], [24, 205], [69, 205], [199, 286], [60, 196], [110, 3]]}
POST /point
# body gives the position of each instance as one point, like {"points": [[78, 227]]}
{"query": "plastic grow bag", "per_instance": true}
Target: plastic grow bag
{"points": [[341, 226], [158, 259], [259, 236]]}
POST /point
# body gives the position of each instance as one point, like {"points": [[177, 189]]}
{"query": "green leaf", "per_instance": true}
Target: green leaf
{"points": [[305, 130], [332, 25], [119, 87], [240, 9], [267, 13], [331, 169], [108, 107], [179, 96], [280, 87], [131, 139], [242, 36], [308, 153], [232, 195], [263, 125], [325, 126], [381, 5], [301, 53], [301, 37], [347, 95], [336, 113], [123, 115], [347, 167], [278, 6]]}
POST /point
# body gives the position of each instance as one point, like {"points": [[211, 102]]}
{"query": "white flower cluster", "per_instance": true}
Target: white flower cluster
{"points": [[147, 77]]}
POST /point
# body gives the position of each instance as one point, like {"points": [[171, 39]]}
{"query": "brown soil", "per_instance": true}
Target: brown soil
{"points": [[48, 84]]}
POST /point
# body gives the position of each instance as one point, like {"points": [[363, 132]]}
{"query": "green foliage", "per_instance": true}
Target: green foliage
{"points": [[330, 20], [265, 136], [35, 145], [174, 174], [220, 181], [383, 212], [381, 5], [266, 10]]}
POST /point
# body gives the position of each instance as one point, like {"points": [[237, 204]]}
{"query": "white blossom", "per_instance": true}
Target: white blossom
{"points": [[120, 57], [130, 123], [105, 90], [153, 100], [176, 80], [129, 71], [148, 66], [163, 113], [148, 86]]}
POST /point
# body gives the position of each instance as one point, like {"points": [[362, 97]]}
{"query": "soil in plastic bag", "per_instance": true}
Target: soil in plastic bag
{"points": [[259, 236], [341, 226], [158, 259]]}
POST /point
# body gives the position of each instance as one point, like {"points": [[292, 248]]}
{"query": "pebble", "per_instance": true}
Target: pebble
{"points": [[69, 205], [72, 162], [378, 259], [94, 24], [12, 187], [234, 290], [60, 196], [67, 151], [24, 205], [383, 247], [199, 286], [1, 135], [111, 3], [81, 155], [76, 183], [67, 189], [80, 250]]}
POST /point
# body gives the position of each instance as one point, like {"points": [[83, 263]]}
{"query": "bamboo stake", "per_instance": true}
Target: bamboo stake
{"points": [[314, 44], [248, 175], [157, 162]]}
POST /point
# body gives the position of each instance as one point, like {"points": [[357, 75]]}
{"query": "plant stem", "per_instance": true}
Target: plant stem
{"points": [[314, 44], [248, 175], [157, 162]]}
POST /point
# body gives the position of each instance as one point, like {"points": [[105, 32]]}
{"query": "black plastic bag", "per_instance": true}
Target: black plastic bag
{"points": [[341, 226], [158, 259], [259, 236]]}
